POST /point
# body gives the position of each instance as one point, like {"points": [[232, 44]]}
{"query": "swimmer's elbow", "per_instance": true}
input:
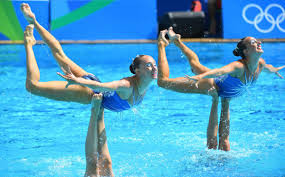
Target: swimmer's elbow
{"points": [[162, 82], [30, 86]]}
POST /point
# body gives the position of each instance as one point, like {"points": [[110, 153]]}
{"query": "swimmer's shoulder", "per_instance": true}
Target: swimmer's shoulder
{"points": [[239, 65], [239, 68], [128, 84]]}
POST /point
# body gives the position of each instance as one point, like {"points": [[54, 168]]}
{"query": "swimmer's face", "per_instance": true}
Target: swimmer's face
{"points": [[147, 67], [253, 46]]}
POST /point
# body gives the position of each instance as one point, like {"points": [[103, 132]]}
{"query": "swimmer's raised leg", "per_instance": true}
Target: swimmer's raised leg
{"points": [[192, 57], [33, 72], [54, 45], [54, 89], [180, 84]]}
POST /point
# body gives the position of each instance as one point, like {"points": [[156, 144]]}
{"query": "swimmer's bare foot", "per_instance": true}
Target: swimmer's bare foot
{"points": [[161, 38], [28, 14], [173, 37], [29, 36]]}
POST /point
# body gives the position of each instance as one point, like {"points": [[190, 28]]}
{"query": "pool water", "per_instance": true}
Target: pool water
{"points": [[163, 137]]}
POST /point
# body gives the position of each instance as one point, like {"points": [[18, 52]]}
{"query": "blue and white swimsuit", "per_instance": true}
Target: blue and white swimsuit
{"points": [[230, 87], [111, 100]]}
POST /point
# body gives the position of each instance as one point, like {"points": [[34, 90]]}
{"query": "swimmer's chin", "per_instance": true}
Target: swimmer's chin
{"points": [[261, 51], [154, 76]]}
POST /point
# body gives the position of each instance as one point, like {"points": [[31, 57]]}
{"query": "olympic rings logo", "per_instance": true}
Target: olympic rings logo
{"points": [[259, 17]]}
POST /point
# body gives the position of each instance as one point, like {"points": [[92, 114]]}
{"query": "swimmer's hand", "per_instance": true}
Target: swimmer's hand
{"points": [[68, 76], [195, 79], [278, 69]]}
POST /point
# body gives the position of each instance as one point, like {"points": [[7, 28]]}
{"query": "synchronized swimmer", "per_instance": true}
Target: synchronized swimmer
{"points": [[85, 88], [226, 82]]}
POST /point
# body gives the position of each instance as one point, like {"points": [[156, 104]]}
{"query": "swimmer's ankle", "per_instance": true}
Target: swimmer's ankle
{"points": [[161, 44], [31, 20]]}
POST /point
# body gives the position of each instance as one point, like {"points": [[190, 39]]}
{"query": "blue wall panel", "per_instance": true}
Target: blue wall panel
{"points": [[261, 19], [121, 19]]}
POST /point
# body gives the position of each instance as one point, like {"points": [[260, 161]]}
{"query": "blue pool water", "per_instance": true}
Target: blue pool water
{"points": [[163, 137]]}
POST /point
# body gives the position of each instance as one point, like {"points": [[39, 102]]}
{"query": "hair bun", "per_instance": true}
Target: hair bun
{"points": [[132, 68], [236, 52]]}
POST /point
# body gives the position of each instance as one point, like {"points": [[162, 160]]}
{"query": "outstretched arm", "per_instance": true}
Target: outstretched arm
{"points": [[271, 69], [120, 85], [232, 68]]}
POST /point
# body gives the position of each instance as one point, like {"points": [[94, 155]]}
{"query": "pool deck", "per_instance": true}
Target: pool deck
{"points": [[204, 40]]}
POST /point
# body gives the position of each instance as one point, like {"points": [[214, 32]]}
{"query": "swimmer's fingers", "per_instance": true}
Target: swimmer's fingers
{"points": [[70, 78], [90, 74], [63, 76], [68, 74], [279, 75], [211, 90], [194, 80], [191, 78], [278, 69], [66, 77], [66, 69]]}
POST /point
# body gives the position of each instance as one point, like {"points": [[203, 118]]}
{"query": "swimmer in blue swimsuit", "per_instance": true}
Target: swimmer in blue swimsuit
{"points": [[227, 82], [85, 88]]}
